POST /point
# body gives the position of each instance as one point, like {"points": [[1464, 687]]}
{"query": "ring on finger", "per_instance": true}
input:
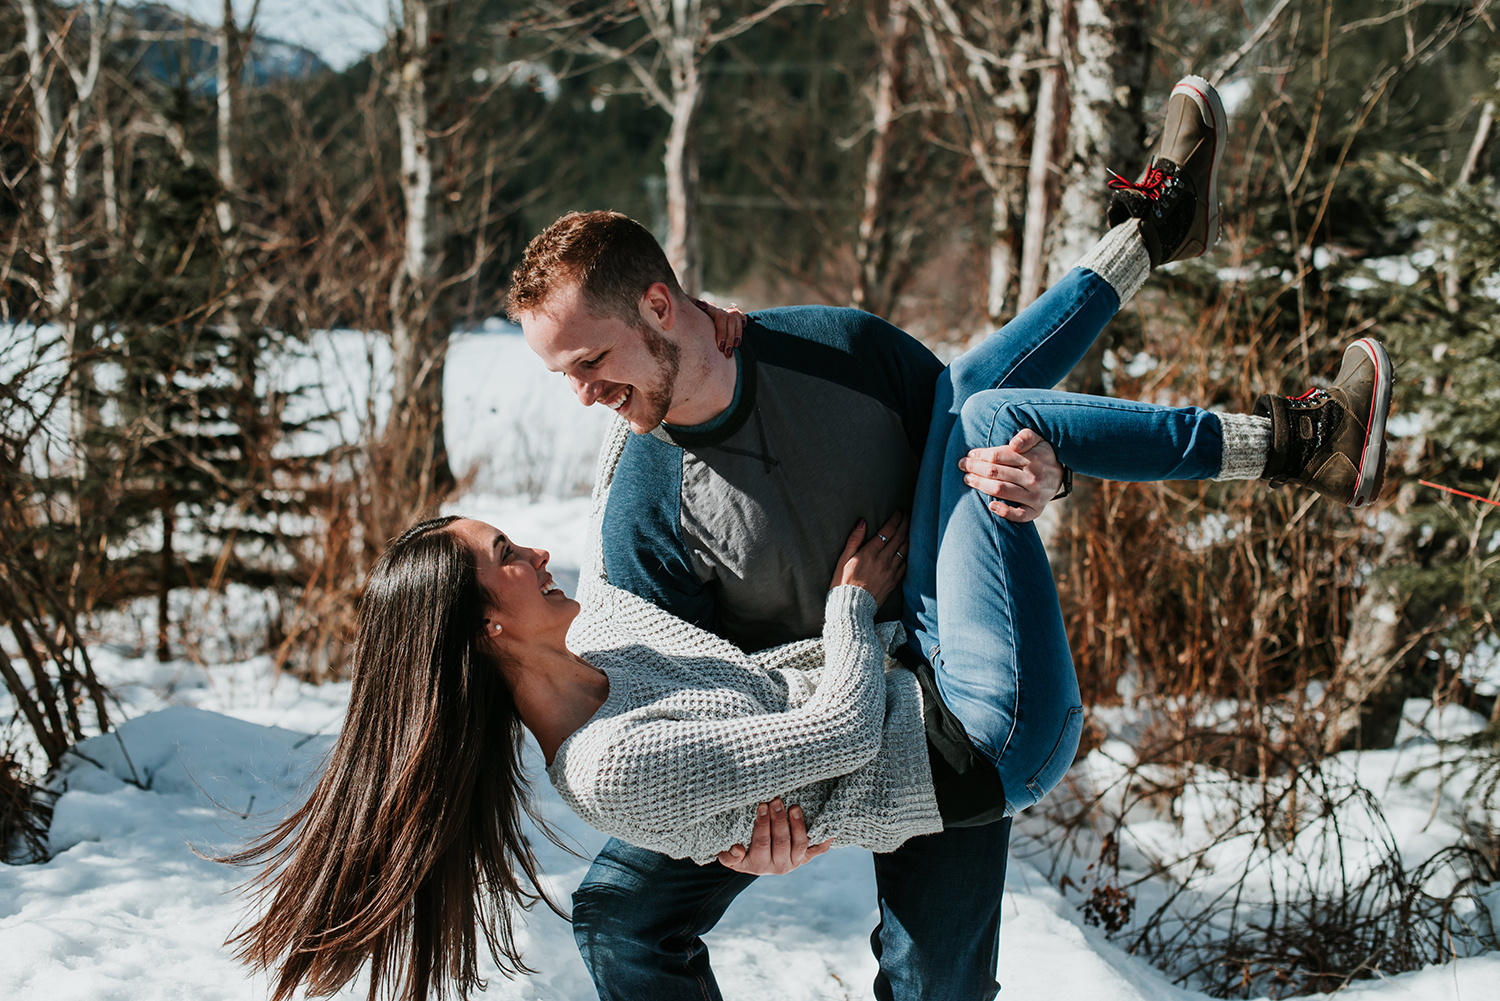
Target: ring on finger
{"points": [[900, 554], [882, 538]]}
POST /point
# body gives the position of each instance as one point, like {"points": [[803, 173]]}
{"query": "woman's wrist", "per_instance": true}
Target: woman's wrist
{"points": [[851, 598]]}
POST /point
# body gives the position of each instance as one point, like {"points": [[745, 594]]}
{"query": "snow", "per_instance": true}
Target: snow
{"points": [[127, 908]]}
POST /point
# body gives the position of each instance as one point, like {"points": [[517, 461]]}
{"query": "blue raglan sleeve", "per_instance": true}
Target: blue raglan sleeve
{"points": [[644, 550], [857, 350]]}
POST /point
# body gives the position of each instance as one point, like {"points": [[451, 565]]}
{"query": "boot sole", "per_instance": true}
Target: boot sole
{"points": [[1202, 94], [1380, 405]]}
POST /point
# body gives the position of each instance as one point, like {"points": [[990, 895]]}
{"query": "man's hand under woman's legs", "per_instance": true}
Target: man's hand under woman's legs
{"points": [[1021, 475]]}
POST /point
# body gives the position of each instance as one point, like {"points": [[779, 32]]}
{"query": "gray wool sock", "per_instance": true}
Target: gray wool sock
{"points": [[1247, 446], [1120, 258]]}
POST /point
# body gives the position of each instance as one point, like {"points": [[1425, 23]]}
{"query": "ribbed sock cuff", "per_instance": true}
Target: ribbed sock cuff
{"points": [[1120, 258], [1247, 445]]}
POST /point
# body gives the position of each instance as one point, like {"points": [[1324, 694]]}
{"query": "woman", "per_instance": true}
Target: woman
{"points": [[670, 737]]}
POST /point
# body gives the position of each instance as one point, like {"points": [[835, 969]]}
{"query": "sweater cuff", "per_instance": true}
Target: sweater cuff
{"points": [[849, 601]]}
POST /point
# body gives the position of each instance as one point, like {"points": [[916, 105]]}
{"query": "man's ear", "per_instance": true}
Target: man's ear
{"points": [[658, 308]]}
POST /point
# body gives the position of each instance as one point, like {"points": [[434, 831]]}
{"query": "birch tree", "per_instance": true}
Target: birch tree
{"points": [[1105, 54], [62, 90], [872, 251], [231, 44], [983, 60], [665, 67], [419, 82]]}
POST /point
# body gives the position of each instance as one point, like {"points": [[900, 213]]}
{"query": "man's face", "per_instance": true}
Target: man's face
{"points": [[631, 370]]}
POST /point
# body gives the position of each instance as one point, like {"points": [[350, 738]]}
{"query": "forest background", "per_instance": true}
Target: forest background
{"points": [[185, 202]]}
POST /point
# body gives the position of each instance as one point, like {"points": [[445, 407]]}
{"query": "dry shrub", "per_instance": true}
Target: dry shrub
{"points": [[1233, 590], [368, 498], [1290, 886], [25, 812], [1206, 621]]}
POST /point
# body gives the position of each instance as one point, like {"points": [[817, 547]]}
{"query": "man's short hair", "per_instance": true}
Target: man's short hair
{"points": [[611, 256]]}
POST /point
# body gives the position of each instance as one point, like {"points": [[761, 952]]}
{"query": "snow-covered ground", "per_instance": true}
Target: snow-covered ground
{"points": [[128, 910]]}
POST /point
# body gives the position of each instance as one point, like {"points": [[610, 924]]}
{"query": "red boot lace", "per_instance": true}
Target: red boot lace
{"points": [[1152, 185]]}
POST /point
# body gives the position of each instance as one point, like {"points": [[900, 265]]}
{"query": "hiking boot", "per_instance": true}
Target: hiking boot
{"points": [[1177, 201], [1334, 440]]}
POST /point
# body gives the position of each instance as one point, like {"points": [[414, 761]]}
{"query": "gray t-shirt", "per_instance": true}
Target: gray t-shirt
{"points": [[735, 525]]}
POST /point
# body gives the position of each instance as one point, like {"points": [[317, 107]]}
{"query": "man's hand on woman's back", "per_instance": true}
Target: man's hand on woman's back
{"points": [[778, 844]]}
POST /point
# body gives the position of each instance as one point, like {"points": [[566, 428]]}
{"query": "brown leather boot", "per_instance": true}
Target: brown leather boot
{"points": [[1177, 200], [1334, 440]]}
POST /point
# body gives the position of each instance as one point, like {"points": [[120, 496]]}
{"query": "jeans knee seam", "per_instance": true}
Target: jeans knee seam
{"points": [[1073, 311], [989, 437]]}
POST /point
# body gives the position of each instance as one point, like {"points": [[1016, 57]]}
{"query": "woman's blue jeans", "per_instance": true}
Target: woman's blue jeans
{"points": [[1003, 665], [980, 602]]}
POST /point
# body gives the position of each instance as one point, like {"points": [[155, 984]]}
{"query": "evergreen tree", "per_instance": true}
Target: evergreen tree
{"points": [[1444, 327], [188, 417]]}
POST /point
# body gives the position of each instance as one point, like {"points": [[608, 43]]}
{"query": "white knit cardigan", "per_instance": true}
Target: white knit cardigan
{"points": [[695, 732]]}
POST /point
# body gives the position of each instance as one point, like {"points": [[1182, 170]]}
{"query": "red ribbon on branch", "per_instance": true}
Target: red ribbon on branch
{"points": [[1461, 493]]}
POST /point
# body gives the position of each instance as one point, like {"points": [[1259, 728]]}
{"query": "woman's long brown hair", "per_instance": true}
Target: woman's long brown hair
{"points": [[412, 838]]}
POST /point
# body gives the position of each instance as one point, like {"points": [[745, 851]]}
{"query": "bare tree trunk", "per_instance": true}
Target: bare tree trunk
{"points": [[230, 45], [1481, 140], [684, 34], [1363, 704], [111, 182], [1106, 49], [873, 250], [61, 122], [681, 162], [164, 582], [991, 99], [419, 317], [1049, 114], [1005, 193], [1110, 53], [59, 286], [227, 81]]}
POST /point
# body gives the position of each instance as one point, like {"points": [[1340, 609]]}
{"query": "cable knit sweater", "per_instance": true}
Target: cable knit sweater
{"points": [[695, 732]]}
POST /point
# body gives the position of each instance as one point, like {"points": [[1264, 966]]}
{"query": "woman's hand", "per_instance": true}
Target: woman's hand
{"points": [[878, 563], [729, 325]]}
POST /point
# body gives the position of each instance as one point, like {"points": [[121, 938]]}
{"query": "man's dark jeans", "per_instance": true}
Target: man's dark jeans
{"points": [[639, 916]]}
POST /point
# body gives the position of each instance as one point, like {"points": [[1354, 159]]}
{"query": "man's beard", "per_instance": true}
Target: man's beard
{"points": [[658, 399]]}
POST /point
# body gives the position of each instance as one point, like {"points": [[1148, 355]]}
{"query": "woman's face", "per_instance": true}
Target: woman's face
{"points": [[523, 600]]}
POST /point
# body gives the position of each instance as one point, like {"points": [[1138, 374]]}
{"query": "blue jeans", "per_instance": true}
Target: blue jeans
{"points": [[980, 601], [638, 916]]}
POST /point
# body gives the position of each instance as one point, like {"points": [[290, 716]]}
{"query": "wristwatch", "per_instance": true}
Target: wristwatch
{"points": [[1067, 484]]}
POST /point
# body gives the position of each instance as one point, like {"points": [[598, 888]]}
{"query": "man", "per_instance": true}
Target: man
{"points": [[745, 475], [728, 505]]}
